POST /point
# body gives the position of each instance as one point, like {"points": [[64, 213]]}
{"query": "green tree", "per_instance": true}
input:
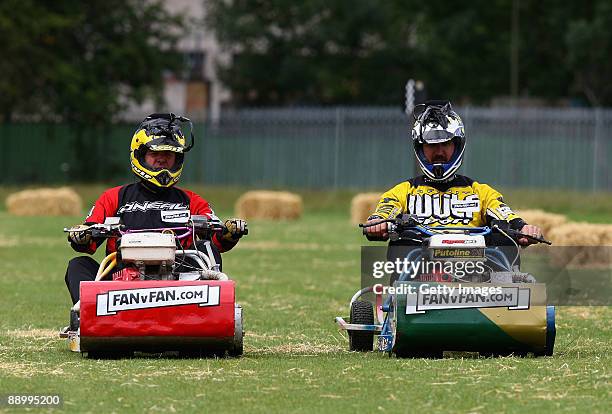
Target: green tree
{"points": [[464, 48], [314, 51], [589, 42], [339, 51], [362, 52], [83, 61]]}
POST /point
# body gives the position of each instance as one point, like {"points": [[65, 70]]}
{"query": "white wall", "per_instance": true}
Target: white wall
{"points": [[198, 38]]}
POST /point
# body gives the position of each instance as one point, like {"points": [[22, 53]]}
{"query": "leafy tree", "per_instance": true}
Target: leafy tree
{"points": [[362, 52], [83, 60], [464, 48], [338, 51], [589, 41], [311, 51]]}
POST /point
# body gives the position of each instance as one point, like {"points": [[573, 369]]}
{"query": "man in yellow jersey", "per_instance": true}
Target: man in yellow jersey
{"points": [[441, 197]]}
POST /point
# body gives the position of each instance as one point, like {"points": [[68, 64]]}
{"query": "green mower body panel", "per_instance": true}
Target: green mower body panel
{"points": [[515, 320]]}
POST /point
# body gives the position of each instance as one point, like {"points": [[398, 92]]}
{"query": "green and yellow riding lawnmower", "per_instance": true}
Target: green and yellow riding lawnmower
{"points": [[434, 303]]}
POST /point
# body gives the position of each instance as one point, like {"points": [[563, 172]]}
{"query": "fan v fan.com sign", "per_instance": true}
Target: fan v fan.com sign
{"points": [[115, 301]]}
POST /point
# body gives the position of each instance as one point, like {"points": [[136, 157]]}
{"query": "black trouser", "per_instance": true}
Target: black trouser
{"points": [[80, 269], [84, 268]]}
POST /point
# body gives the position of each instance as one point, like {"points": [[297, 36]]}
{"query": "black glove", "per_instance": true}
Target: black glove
{"points": [[235, 228], [79, 237]]}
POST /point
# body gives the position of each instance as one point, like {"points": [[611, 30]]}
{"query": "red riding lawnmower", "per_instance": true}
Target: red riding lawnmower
{"points": [[164, 298]]}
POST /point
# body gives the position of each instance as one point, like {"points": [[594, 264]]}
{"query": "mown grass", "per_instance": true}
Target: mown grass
{"points": [[293, 278]]}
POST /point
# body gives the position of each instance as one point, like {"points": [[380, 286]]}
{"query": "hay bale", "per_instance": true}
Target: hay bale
{"points": [[585, 245], [362, 205], [546, 221], [581, 234], [45, 202], [269, 205]]}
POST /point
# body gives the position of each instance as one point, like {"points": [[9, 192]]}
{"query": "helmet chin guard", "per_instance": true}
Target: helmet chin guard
{"points": [[437, 123]]}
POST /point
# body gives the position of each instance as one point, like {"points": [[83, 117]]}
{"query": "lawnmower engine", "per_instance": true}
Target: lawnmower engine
{"points": [[150, 307], [453, 248], [151, 255]]}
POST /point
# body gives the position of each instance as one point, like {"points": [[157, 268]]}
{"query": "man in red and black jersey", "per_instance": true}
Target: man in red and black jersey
{"points": [[157, 153]]}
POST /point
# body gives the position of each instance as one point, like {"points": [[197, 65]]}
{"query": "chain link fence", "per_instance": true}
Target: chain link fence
{"points": [[372, 148], [331, 148]]}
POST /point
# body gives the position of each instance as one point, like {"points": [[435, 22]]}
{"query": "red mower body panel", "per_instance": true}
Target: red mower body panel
{"points": [[157, 315]]}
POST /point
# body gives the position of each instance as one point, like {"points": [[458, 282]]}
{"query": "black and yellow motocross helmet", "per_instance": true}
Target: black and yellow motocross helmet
{"points": [[160, 132]]}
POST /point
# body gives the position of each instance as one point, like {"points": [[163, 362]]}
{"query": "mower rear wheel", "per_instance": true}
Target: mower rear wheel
{"points": [[362, 314]]}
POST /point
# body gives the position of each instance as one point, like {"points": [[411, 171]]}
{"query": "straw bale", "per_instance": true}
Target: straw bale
{"points": [[581, 234], [62, 201], [587, 241], [269, 205], [546, 221], [362, 205]]}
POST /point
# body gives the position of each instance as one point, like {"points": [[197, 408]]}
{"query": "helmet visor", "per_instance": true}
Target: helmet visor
{"points": [[434, 136], [165, 144]]}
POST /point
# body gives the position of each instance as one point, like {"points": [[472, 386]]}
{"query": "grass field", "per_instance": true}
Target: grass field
{"points": [[293, 278]]}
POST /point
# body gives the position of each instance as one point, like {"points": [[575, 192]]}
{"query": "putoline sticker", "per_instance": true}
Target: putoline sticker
{"points": [[422, 300], [114, 301]]}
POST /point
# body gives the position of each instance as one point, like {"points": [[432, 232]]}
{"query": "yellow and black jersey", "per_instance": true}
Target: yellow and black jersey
{"points": [[459, 202]]}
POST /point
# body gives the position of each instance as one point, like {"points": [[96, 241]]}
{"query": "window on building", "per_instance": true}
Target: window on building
{"points": [[194, 65]]}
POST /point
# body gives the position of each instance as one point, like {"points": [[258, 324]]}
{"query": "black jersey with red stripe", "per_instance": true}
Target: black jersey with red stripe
{"points": [[139, 207]]}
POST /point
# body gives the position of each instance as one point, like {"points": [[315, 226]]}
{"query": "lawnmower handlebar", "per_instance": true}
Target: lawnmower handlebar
{"points": [[517, 235], [201, 225], [409, 223], [99, 230]]}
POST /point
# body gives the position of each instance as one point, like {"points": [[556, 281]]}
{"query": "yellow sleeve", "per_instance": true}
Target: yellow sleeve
{"points": [[392, 202], [493, 206]]}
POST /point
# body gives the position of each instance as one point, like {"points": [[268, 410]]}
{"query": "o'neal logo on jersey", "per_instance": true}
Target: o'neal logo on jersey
{"points": [[443, 208], [151, 205]]}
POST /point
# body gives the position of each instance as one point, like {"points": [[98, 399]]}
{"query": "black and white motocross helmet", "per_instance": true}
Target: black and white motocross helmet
{"points": [[436, 122]]}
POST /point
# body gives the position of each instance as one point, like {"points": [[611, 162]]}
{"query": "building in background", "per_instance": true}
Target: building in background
{"points": [[197, 91]]}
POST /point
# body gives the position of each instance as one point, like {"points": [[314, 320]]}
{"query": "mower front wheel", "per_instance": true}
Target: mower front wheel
{"points": [[362, 314]]}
